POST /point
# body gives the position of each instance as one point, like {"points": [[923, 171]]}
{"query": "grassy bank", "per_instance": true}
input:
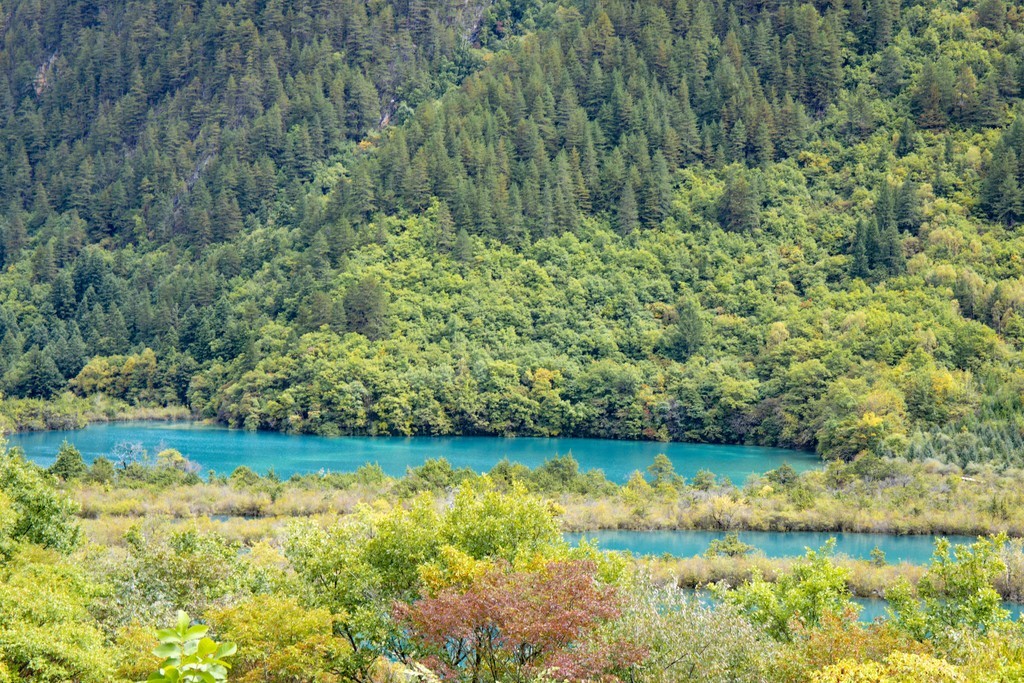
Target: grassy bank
{"points": [[869, 495], [866, 580], [248, 508], [894, 497], [70, 411]]}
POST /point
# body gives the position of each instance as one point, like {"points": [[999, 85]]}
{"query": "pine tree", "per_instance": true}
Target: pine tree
{"points": [[34, 375], [738, 142], [792, 126], [885, 206], [445, 227], [627, 218], [931, 96], [463, 250], [907, 211], [69, 464], [992, 14], [686, 333], [890, 250], [990, 108], [62, 295], [906, 140], [657, 195], [859, 259], [884, 14], [227, 217], [739, 207], [416, 187], [1007, 207], [1000, 194]]}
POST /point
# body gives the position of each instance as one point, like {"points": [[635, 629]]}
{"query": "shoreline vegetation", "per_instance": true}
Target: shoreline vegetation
{"points": [[120, 545], [873, 494], [72, 412], [870, 495]]}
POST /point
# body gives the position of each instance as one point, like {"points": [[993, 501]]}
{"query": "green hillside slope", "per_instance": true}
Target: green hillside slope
{"points": [[776, 223]]}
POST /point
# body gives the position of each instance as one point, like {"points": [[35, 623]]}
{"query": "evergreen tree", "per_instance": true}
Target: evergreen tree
{"points": [[1000, 194], [69, 464], [859, 266], [366, 308], [627, 217], [34, 375], [657, 193], [685, 334], [907, 209], [739, 207]]}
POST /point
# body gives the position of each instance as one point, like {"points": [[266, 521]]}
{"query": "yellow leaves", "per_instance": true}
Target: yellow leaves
{"points": [[171, 457], [453, 569], [94, 377], [120, 376], [973, 157], [814, 162], [943, 383], [281, 641], [638, 494], [544, 379], [948, 242], [869, 421], [899, 667], [132, 639], [778, 334], [791, 253], [885, 401], [872, 428], [724, 511]]}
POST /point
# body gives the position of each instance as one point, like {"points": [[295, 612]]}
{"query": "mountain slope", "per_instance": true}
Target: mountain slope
{"points": [[787, 224]]}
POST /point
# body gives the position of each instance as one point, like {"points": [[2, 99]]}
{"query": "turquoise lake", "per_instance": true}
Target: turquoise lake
{"points": [[223, 450], [870, 608], [912, 549]]}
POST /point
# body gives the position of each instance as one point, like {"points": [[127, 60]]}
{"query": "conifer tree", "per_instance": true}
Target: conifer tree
{"points": [[859, 266], [739, 206], [627, 217]]}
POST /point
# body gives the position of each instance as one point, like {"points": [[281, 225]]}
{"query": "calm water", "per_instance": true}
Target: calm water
{"points": [[875, 608], [913, 549], [871, 608], [223, 450]]}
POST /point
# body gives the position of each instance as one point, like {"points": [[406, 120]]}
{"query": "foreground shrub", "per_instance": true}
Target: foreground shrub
{"points": [[514, 625], [957, 593], [281, 641], [47, 634], [683, 640], [900, 667], [814, 587], [188, 656]]}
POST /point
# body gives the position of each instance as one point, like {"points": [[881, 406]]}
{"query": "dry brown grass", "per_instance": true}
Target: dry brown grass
{"points": [[866, 580]]}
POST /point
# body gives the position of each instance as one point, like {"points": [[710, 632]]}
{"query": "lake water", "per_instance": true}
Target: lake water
{"points": [[870, 608], [223, 450], [876, 608], [913, 549]]}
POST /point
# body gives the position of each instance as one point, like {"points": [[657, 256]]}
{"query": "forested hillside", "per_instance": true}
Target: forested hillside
{"points": [[780, 223]]}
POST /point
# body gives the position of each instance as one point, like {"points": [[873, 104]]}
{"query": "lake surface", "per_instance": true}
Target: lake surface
{"points": [[913, 549], [877, 608], [871, 608], [223, 450]]}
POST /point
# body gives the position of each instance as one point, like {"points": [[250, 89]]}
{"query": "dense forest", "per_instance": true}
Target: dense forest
{"points": [[782, 223]]}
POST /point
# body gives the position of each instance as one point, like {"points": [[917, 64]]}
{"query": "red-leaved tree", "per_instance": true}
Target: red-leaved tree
{"points": [[512, 625]]}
